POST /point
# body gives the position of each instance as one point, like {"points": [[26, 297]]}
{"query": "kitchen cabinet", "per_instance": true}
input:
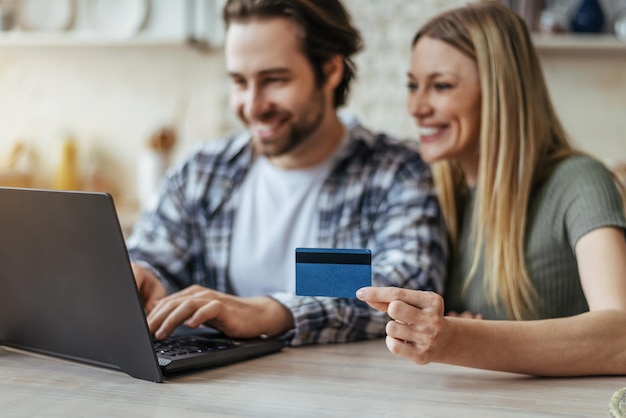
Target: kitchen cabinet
{"points": [[158, 23]]}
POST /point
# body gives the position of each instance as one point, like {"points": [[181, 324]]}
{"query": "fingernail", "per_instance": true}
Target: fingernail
{"points": [[361, 293]]}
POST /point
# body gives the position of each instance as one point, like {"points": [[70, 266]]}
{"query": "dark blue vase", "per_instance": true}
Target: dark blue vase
{"points": [[589, 17]]}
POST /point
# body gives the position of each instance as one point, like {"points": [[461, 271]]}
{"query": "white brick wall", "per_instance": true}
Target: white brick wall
{"points": [[574, 77], [378, 97]]}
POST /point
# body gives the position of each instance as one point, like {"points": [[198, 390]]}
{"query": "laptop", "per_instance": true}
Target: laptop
{"points": [[67, 290]]}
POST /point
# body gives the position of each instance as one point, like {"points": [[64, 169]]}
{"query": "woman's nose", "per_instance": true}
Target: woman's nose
{"points": [[419, 104]]}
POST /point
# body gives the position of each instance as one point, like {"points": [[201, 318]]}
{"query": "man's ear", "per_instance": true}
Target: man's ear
{"points": [[333, 69]]}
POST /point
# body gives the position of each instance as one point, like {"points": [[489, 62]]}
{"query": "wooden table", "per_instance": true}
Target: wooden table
{"points": [[347, 380]]}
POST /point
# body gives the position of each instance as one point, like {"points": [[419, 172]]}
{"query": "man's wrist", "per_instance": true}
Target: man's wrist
{"points": [[279, 318]]}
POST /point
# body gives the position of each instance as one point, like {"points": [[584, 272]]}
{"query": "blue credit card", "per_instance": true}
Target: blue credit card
{"points": [[334, 272]]}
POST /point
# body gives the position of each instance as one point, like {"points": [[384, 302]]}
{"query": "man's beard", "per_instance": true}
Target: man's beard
{"points": [[298, 133]]}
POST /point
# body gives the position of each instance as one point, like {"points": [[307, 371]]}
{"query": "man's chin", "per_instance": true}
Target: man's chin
{"points": [[277, 146], [269, 149]]}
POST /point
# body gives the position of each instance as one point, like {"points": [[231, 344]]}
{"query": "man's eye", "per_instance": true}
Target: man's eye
{"points": [[238, 82], [275, 80]]}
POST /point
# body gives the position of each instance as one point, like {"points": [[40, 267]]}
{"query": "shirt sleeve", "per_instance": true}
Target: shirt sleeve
{"points": [[320, 320], [409, 240], [586, 194], [162, 239]]}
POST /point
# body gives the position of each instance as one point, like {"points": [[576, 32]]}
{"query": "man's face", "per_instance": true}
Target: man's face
{"points": [[273, 89]]}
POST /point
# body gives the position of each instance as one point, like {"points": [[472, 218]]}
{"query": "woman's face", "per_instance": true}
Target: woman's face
{"points": [[444, 100]]}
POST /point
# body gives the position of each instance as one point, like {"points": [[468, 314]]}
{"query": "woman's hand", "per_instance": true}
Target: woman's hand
{"points": [[466, 315], [418, 331]]}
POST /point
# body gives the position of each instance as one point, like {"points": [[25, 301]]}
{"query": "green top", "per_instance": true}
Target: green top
{"points": [[578, 197]]}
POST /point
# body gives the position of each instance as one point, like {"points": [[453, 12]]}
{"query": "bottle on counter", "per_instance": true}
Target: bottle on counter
{"points": [[152, 164], [67, 177]]}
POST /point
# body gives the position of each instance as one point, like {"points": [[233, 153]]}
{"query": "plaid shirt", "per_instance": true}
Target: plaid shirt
{"points": [[379, 195]]}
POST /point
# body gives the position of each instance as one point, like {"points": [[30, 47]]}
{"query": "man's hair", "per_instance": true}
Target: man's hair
{"points": [[325, 31]]}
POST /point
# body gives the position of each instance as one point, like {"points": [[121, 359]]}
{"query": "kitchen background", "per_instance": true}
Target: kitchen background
{"points": [[111, 80]]}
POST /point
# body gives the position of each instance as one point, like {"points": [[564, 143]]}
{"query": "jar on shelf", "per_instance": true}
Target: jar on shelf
{"points": [[7, 15], [552, 21], [619, 25], [588, 18]]}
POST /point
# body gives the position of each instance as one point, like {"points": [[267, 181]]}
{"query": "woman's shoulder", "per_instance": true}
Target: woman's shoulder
{"points": [[579, 181], [579, 171], [579, 195], [580, 163]]}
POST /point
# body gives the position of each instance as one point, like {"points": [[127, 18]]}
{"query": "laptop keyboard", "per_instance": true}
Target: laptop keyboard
{"points": [[185, 345]]}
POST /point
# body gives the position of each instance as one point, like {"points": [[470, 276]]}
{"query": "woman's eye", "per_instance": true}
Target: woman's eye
{"points": [[411, 86], [442, 86]]}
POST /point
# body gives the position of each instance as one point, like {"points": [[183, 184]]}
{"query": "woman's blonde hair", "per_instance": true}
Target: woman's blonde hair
{"points": [[521, 141]]}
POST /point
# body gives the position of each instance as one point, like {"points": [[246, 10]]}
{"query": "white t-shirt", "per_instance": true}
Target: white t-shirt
{"points": [[277, 214]]}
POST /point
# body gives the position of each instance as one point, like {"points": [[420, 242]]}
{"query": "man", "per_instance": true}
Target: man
{"points": [[218, 247]]}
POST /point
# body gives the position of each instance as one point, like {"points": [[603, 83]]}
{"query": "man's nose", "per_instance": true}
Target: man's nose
{"points": [[254, 103]]}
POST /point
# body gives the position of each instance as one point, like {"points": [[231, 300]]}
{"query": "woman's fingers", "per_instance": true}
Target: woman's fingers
{"points": [[383, 296]]}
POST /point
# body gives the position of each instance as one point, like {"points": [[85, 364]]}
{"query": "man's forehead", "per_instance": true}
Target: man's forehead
{"points": [[262, 43]]}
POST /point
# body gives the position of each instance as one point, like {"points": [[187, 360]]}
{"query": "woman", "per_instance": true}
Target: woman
{"points": [[537, 229]]}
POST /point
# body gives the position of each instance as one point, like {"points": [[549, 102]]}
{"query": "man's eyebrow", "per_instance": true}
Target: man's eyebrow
{"points": [[275, 71], [266, 72]]}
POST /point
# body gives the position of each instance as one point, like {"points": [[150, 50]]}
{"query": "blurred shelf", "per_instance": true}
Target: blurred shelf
{"points": [[141, 23], [73, 39], [579, 42]]}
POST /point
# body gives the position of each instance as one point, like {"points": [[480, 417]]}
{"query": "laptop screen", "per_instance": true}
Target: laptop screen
{"points": [[67, 289], [66, 286]]}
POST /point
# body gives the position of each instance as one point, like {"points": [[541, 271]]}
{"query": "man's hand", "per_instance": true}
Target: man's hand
{"points": [[150, 287], [235, 316]]}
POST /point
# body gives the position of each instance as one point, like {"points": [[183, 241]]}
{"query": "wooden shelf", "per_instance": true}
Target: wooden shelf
{"points": [[578, 42]]}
